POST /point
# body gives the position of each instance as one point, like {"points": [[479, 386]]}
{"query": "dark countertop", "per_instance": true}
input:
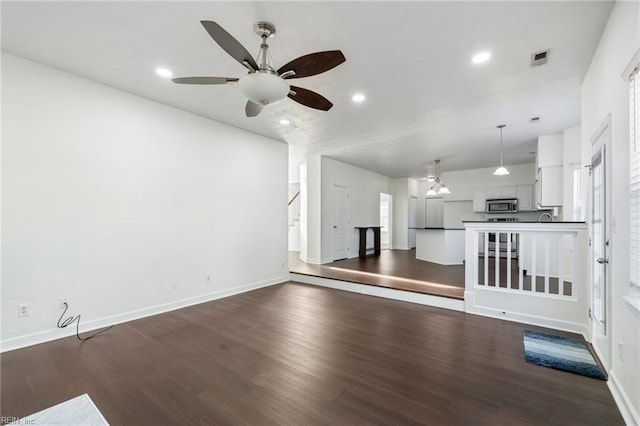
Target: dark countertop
{"points": [[441, 229], [520, 221]]}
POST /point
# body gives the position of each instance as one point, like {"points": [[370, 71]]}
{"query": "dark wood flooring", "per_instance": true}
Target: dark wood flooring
{"points": [[396, 269], [298, 354]]}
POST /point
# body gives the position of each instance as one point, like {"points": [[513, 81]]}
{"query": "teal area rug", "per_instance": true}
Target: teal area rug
{"points": [[560, 353]]}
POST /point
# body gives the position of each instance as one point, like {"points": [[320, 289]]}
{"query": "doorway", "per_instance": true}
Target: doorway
{"points": [[600, 311], [339, 237], [385, 220]]}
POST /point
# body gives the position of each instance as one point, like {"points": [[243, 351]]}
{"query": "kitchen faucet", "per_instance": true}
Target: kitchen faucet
{"points": [[545, 214]]}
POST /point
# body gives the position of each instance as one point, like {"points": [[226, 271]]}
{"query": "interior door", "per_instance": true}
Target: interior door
{"points": [[340, 222], [599, 250]]}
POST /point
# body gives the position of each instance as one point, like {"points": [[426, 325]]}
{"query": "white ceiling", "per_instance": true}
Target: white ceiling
{"points": [[412, 60]]}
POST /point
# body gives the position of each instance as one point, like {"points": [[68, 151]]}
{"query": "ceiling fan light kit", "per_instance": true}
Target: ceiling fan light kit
{"points": [[264, 85], [263, 88], [438, 188], [502, 170]]}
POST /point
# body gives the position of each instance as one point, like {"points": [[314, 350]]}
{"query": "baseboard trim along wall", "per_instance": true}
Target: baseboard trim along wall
{"points": [[405, 296], [57, 333], [623, 402]]}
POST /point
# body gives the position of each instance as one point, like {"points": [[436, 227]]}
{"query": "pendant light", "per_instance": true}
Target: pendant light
{"points": [[438, 188], [502, 170]]}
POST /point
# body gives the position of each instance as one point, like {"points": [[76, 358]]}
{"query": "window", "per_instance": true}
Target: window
{"points": [[634, 174]]}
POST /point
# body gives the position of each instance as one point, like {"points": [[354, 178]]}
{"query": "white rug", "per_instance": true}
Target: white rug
{"points": [[77, 411]]}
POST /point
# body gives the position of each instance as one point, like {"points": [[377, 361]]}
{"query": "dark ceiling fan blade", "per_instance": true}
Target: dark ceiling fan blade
{"points": [[310, 99], [203, 80], [252, 109], [229, 44], [313, 63]]}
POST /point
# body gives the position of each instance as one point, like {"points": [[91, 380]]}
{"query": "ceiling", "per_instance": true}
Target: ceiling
{"points": [[412, 60]]}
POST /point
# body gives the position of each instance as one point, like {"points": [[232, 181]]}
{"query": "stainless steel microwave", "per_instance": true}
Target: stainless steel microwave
{"points": [[502, 205]]}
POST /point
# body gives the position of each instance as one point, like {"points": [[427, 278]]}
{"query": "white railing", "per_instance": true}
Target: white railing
{"points": [[294, 209], [529, 272]]}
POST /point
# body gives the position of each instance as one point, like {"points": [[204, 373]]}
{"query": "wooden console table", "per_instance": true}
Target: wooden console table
{"points": [[363, 240]]}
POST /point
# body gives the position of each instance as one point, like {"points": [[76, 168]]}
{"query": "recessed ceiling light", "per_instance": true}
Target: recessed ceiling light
{"points": [[481, 57], [285, 122], [163, 72], [358, 97]]}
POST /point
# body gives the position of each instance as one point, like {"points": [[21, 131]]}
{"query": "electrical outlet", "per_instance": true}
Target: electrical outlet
{"points": [[64, 300], [174, 284], [24, 309]]}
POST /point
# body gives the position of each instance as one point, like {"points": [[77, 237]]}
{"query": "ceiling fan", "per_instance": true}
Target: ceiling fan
{"points": [[264, 85]]}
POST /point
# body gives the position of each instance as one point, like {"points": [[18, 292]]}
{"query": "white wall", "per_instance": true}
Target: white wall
{"points": [[400, 190], [310, 210], [108, 198], [604, 92], [364, 204], [571, 144], [519, 174]]}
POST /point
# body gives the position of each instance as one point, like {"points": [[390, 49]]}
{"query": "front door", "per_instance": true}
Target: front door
{"points": [[599, 253], [340, 221]]}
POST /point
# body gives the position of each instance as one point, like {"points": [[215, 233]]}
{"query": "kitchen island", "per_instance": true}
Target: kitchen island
{"points": [[440, 245]]}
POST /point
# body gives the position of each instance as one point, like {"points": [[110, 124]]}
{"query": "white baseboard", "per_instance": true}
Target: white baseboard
{"points": [[57, 333], [472, 308], [405, 296], [310, 260], [629, 414]]}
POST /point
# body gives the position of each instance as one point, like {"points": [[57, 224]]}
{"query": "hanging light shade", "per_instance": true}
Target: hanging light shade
{"points": [[502, 170], [438, 187]]}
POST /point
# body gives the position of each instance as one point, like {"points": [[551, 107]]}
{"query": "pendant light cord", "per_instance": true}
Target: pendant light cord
{"points": [[501, 126]]}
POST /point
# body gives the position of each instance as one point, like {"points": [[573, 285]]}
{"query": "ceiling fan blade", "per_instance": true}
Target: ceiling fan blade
{"points": [[203, 80], [310, 98], [229, 44], [252, 109], [313, 63]]}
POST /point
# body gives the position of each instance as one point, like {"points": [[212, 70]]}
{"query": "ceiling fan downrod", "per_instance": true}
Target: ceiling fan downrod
{"points": [[265, 30]]}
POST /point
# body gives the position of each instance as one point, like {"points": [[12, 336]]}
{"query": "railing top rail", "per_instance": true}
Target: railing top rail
{"points": [[294, 198], [527, 226]]}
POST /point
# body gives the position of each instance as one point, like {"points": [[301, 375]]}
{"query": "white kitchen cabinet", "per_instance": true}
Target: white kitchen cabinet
{"points": [[524, 194], [492, 192], [479, 200], [504, 191], [459, 194], [508, 191], [549, 187], [434, 209]]}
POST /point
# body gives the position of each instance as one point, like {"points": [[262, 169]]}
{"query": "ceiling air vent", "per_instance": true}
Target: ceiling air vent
{"points": [[539, 58]]}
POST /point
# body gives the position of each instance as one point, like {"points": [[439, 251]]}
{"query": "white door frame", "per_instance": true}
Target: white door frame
{"points": [[389, 218], [601, 339]]}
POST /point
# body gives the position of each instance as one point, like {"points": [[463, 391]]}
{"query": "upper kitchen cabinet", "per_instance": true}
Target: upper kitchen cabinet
{"points": [[505, 191], [524, 194], [479, 200], [459, 194], [549, 187], [549, 182]]}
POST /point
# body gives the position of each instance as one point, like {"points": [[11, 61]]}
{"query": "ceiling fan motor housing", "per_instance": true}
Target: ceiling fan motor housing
{"points": [[263, 87]]}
